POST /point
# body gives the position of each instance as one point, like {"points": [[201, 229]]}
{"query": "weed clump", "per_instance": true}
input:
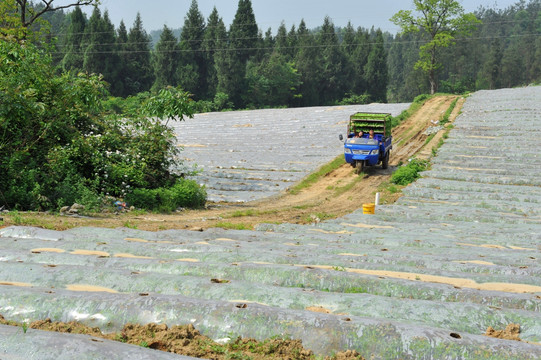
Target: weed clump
{"points": [[409, 173]]}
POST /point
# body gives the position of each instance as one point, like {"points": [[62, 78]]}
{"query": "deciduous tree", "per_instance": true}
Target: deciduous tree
{"points": [[440, 23]]}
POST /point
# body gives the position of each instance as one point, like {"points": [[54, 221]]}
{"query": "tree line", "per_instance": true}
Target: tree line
{"points": [[238, 66], [241, 67]]}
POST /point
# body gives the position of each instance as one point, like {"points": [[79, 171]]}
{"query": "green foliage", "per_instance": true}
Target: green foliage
{"points": [[353, 99], [166, 60], [272, 82], [220, 103], [355, 290], [231, 226], [58, 146], [405, 175], [375, 70], [184, 193], [445, 118], [441, 21], [169, 103]]}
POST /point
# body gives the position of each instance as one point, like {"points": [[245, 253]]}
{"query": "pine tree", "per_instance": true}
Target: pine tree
{"points": [[243, 41], [376, 75], [332, 83], [74, 57], [192, 73], [138, 59], [123, 71], [214, 40], [268, 41], [111, 61], [91, 43], [243, 33], [281, 44], [308, 62], [350, 49], [166, 59], [292, 42]]}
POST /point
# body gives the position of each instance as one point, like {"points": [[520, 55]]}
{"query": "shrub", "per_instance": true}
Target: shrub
{"points": [[353, 99], [405, 175], [184, 193], [61, 142]]}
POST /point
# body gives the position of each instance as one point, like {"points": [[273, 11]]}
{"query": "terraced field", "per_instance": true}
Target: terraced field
{"points": [[423, 278]]}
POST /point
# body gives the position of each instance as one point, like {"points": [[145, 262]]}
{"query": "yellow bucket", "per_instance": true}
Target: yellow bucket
{"points": [[369, 208]]}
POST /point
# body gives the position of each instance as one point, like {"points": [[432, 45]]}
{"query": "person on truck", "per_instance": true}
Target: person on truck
{"points": [[371, 134], [359, 134]]}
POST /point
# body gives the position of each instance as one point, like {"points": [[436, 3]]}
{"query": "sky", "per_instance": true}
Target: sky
{"points": [[270, 13]]}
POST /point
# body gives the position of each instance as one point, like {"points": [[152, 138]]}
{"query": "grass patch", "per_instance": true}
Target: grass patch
{"points": [[343, 189], [304, 207], [445, 118], [355, 290], [28, 219], [232, 226], [240, 213], [405, 175], [429, 138], [321, 172]]}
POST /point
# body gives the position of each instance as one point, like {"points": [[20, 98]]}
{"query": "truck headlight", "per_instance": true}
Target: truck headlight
{"points": [[347, 150], [374, 152]]}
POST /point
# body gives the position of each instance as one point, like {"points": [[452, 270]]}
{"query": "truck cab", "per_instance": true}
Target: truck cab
{"points": [[369, 140]]}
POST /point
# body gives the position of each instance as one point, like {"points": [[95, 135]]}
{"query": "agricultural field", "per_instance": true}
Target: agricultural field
{"points": [[251, 155], [449, 270]]}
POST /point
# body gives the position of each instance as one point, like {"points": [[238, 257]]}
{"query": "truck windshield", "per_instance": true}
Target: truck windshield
{"points": [[362, 141]]}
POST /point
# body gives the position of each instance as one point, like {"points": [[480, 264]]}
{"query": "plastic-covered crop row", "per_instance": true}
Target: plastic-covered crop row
{"points": [[318, 331], [45, 345]]}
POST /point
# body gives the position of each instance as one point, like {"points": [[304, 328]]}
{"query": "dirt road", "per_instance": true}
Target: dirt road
{"points": [[335, 195]]}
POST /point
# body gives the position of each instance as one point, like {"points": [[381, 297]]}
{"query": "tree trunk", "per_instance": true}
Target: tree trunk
{"points": [[433, 83], [432, 72]]}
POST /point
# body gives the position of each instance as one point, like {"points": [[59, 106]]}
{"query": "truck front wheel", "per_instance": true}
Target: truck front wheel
{"points": [[385, 161], [359, 166]]}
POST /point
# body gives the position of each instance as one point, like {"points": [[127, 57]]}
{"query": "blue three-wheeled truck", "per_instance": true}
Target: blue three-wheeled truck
{"points": [[369, 140]]}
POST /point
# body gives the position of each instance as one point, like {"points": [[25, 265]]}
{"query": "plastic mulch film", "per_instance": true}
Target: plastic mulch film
{"points": [[45, 345], [423, 278]]}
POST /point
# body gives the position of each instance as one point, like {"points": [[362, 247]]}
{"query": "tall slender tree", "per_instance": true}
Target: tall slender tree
{"points": [[309, 64], [376, 73], [243, 33], [137, 50], [192, 72], [243, 40], [281, 44], [166, 59], [74, 57], [332, 84], [121, 47], [349, 48], [92, 40]]}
